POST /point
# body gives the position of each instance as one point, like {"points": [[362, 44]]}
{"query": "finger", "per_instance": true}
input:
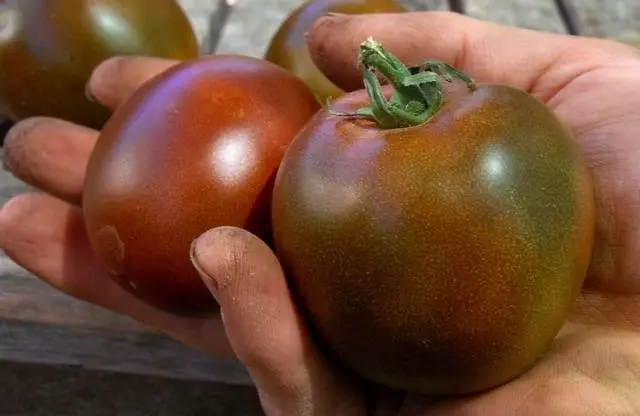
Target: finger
{"points": [[116, 79], [487, 51], [51, 155], [46, 237], [265, 329]]}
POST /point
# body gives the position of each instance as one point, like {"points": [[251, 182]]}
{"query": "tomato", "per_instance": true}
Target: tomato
{"points": [[437, 242], [288, 47], [48, 49], [195, 148]]}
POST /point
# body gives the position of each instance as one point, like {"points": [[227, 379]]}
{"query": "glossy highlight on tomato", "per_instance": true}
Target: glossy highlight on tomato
{"points": [[288, 47], [195, 148], [49, 48], [436, 246]]}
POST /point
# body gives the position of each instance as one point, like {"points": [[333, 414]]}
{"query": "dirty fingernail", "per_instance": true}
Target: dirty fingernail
{"points": [[195, 256], [13, 142]]}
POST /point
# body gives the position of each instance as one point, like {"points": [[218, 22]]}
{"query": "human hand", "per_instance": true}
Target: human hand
{"points": [[593, 366], [44, 231]]}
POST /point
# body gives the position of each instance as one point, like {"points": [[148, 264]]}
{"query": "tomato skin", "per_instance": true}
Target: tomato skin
{"points": [[195, 148], [288, 47], [49, 48], [441, 258]]}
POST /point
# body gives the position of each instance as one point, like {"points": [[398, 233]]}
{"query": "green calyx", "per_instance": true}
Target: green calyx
{"points": [[418, 91]]}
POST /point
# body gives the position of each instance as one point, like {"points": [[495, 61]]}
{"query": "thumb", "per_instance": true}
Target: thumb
{"points": [[265, 329], [489, 52]]}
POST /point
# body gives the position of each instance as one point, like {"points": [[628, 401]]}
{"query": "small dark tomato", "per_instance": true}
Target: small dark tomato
{"points": [[435, 250], [288, 47], [195, 148], [48, 49]]}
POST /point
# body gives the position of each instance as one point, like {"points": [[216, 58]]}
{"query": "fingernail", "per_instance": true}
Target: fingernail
{"points": [[334, 14], [88, 93], [194, 255]]}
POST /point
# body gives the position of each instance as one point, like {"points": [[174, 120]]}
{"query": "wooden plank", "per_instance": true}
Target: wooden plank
{"points": [[35, 390], [532, 14], [39, 324], [114, 351], [615, 19]]}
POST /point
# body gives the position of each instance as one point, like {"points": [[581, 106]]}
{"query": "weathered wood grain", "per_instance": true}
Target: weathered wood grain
{"points": [[40, 324], [616, 19], [36, 390], [116, 351], [532, 14]]}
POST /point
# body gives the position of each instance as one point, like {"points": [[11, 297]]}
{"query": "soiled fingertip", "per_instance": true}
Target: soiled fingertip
{"points": [[104, 80], [224, 256], [324, 26], [14, 143]]}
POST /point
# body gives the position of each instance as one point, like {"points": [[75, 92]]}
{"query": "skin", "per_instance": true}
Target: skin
{"points": [[75, 36], [414, 228], [288, 47], [176, 160], [593, 366]]}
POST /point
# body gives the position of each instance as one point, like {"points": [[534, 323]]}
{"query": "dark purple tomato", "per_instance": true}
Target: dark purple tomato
{"points": [[195, 148], [48, 49], [438, 242]]}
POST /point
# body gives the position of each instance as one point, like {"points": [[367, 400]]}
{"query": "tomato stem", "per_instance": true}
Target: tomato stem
{"points": [[418, 91]]}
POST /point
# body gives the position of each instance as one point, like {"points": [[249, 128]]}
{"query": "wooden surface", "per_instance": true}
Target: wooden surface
{"points": [[532, 14], [617, 19], [77, 343], [32, 390]]}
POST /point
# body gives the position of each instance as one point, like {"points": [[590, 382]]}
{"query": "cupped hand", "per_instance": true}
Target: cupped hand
{"points": [[593, 367], [44, 231]]}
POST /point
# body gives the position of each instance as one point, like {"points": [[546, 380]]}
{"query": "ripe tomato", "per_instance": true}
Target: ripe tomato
{"points": [[438, 240], [48, 49], [195, 148], [288, 47]]}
